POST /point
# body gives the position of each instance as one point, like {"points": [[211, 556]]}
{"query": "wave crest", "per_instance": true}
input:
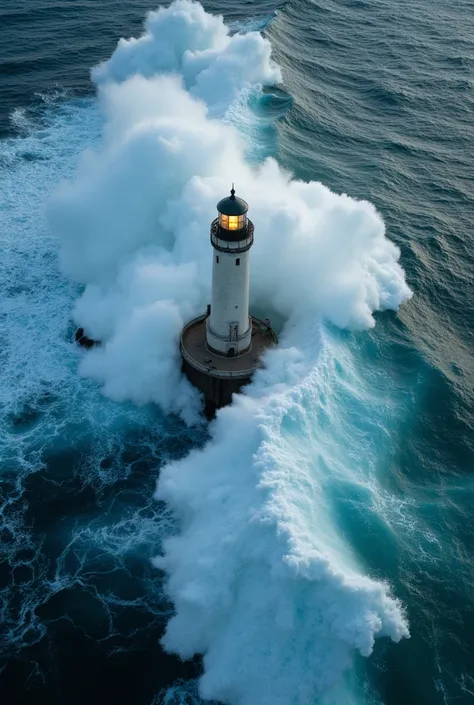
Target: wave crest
{"points": [[263, 583]]}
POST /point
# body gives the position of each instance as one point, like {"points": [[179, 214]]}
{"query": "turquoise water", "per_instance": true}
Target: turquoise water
{"points": [[353, 455]]}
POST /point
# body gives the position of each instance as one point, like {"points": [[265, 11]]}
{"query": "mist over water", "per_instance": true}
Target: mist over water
{"points": [[136, 219], [283, 542]]}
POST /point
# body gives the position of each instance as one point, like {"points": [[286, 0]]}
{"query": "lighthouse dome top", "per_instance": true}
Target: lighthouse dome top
{"points": [[232, 205]]}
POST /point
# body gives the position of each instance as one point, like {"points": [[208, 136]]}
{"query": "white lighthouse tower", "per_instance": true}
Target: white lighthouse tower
{"points": [[222, 348], [229, 326]]}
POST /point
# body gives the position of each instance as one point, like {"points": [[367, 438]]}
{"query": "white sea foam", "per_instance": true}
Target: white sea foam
{"points": [[263, 582], [185, 40], [134, 223]]}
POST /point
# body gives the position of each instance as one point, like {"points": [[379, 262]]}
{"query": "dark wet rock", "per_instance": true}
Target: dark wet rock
{"points": [[83, 340]]}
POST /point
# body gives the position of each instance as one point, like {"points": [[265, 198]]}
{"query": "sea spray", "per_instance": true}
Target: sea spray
{"points": [[261, 578], [263, 582], [133, 224]]}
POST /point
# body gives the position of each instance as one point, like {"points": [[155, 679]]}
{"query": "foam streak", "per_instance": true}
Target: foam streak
{"points": [[262, 582]]}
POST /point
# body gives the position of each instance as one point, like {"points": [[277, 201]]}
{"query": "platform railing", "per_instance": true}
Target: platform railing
{"points": [[208, 369]]}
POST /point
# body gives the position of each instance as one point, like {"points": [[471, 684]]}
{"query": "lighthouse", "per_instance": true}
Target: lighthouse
{"points": [[229, 326], [222, 348]]}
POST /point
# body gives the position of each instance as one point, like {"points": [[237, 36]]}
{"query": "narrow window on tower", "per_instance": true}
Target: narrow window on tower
{"points": [[217, 259], [237, 262]]}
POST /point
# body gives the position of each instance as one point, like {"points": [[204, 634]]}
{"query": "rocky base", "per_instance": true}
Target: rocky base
{"points": [[83, 340]]}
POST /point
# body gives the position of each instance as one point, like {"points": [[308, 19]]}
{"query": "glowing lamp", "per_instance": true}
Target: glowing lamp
{"points": [[232, 212], [232, 222]]}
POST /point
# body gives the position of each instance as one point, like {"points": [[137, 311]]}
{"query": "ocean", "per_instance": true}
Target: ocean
{"points": [[312, 545]]}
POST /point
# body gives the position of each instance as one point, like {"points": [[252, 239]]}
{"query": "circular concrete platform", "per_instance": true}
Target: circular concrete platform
{"points": [[218, 378], [194, 350]]}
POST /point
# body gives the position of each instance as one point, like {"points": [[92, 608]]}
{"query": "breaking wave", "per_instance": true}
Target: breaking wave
{"points": [[263, 581]]}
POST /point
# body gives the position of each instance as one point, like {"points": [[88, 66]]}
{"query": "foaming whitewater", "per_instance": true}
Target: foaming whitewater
{"points": [[261, 578], [263, 583], [61, 443]]}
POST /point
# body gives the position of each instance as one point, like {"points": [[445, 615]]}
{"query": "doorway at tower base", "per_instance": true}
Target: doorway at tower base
{"points": [[217, 377]]}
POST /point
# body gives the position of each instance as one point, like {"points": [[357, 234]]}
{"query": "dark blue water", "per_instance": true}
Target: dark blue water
{"points": [[376, 102]]}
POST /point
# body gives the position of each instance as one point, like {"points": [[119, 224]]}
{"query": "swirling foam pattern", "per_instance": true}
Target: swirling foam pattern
{"points": [[296, 536]]}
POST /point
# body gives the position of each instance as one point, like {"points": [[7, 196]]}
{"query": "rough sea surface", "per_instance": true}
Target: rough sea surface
{"points": [[315, 544]]}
